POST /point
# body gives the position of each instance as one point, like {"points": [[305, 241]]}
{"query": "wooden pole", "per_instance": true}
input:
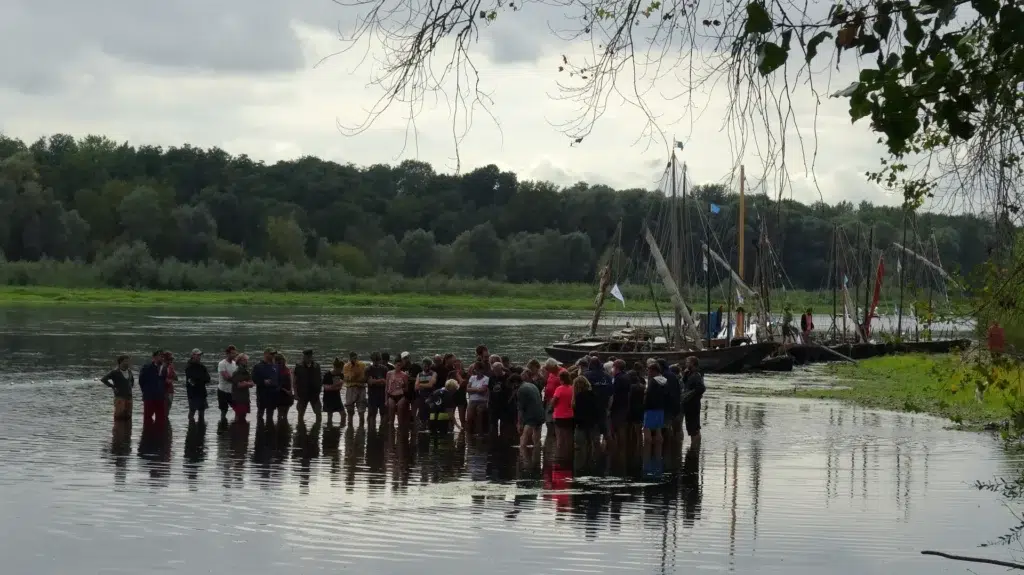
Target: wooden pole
{"points": [[740, 328]]}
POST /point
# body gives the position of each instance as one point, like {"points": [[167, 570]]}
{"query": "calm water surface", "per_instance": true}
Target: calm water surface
{"points": [[776, 486]]}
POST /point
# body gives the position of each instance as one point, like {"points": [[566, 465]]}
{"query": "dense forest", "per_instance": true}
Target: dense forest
{"points": [[132, 211]]}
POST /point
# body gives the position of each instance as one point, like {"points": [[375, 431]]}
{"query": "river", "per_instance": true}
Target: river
{"points": [[777, 485]]}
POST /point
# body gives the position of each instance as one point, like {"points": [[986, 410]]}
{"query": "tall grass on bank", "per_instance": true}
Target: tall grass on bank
{"points": [[937, 385]]}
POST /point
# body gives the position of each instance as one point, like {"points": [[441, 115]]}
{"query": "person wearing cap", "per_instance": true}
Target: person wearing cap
{"points": [[196, 378], [355, 387], [225, 369], [267, 379], [306, 386]]}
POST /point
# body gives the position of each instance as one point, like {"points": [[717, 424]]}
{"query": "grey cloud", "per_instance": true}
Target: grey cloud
{"points": [[42, 42]]}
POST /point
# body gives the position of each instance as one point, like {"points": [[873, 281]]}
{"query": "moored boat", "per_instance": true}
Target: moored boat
{"points": [[720, 360]]}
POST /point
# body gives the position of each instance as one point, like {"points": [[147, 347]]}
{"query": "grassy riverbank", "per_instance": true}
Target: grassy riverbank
{"points": [[17, 296], [933, 384], [562, 297]]}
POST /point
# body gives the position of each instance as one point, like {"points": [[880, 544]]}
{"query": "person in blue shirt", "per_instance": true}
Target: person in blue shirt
{"points": [[601, 385], [152, 383], [267, 377]]}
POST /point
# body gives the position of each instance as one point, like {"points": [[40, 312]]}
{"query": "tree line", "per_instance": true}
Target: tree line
{"points": [[131, 209]]}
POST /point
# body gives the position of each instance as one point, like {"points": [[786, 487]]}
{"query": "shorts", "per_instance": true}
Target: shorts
{"points": [[240, 408], [564, 423], [122, 408], [654, 419], [223, 400], [356, 396], [691, 416], [439, 426]]}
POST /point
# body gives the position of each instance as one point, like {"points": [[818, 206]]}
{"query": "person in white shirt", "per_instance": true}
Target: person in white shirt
{"points": [[225, 369]]}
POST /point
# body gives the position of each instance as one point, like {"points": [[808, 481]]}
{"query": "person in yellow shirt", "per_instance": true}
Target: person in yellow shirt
{"points": [[354, 373]]}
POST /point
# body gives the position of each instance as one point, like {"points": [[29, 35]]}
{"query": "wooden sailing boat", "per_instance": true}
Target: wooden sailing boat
{"points": [[637, 344]]}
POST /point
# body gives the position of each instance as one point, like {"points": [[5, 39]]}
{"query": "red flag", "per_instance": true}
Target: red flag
{"points": [[878, 291]]}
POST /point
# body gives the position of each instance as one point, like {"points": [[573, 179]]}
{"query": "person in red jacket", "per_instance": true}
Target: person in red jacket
{"points": [[996, 339]]}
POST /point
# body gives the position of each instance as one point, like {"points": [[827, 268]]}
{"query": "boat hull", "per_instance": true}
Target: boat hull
{"points": [[810, 353], [722, 360]]}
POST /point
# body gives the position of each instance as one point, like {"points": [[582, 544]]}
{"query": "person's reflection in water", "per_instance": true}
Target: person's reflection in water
{"points": [[332, 450], [239, 435], [195, 452], [355, 439], [120, 449], [557, 480], [263, 450], [376, 477], [282, 445], [689, 483], [306, 448], [155, 449]]}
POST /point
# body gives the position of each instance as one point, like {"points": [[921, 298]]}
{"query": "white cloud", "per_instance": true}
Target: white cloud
{"points": [[233, 95]]}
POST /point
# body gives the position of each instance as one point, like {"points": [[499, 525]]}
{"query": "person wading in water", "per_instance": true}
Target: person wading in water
{"points": [[268, 384], [376, 395], [225, 369], [306, 386], [196, 379], [286, 392], [333, 381], [153, 384], [355, 388], [121, 380], [170, 376], [693, 391], [241, 383]]}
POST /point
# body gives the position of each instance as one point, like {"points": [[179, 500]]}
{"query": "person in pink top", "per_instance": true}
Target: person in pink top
{"points": [[395, 383], [562, 412], [550, 375]]}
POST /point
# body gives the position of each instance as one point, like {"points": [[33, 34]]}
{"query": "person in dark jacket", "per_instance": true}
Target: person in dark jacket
{"points": [[587, 413], [196, 379], [674, 388], [601, 385], [267, 379], [306, 386], [152, 383], [121, 380], [693, 391]]}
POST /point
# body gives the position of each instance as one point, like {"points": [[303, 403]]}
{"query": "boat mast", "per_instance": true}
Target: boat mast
{"points": [[604, 282], [707, 287], [903, 274], [674, 251], [866, 327], [835, 278], [670, 284], [740, 229]]}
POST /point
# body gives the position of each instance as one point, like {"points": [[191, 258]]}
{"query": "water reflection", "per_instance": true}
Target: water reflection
{"points": [[774, 485]]}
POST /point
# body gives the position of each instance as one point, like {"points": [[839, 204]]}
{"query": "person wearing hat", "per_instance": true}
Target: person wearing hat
{"points": [[196, 378], [225, 369], [354, 373], [267, 379], [333, 382], [306, 386]]}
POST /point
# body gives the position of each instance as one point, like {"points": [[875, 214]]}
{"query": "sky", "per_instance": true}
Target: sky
{"points": [[251, 77]]}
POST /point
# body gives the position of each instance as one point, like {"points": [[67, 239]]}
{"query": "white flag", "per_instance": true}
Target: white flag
{"points": [[899, 266], [739, 296], [705, 263], [617, 294]]}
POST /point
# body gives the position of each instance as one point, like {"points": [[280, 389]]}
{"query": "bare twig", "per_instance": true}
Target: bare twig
{"points": [[975, 559]]}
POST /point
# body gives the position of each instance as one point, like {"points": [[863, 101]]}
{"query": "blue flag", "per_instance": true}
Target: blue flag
{"points": [[715, 208]]}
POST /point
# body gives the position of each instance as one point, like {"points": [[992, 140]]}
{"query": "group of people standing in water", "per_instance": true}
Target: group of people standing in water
{"points": [[579, 405]]}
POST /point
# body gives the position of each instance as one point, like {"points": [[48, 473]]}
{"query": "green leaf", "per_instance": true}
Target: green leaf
{"points": [[771, 57], [987, 8], [812, 45], [868, 44], [758, 21], [883, 23], [913, 32]]}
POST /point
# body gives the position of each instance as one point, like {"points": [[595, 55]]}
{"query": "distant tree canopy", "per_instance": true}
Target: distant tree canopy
{"points": [[97, 200]]}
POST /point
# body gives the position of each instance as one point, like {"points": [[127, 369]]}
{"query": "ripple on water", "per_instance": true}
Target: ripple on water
{"points": [[777, 484]]}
